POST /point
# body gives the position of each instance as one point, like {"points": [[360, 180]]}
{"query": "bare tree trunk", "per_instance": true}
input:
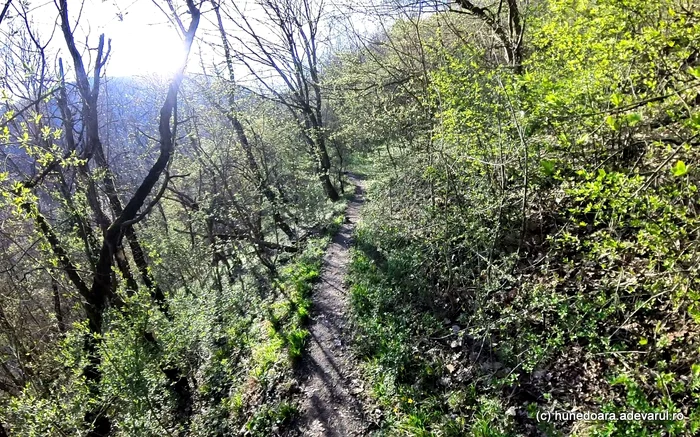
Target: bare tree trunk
{"points": [[100, 293], [328, 187], [292, 55], [511, 36], [58, 312], [263, 185]]}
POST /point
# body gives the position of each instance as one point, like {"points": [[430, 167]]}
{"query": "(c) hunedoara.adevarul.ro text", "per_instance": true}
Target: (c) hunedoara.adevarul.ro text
{"points": [[564, 416]]}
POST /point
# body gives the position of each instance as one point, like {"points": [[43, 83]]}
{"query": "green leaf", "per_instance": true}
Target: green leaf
{"points": [[547, 167], [616, 99], [695, 120], [695, 370], [679, 169], [633, 118], [695, 72], [643, 341], [610, 120]]}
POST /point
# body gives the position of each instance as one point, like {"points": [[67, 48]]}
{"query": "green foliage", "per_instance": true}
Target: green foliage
{"points": [[36, 414], [680, 169], [529, 245], [635, 399], [249, 337], [335, 225], [539, 238], [268, 420], [296, 340]]}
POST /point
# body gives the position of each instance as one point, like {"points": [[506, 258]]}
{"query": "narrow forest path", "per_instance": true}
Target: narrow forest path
{"points": [[330, 380]]}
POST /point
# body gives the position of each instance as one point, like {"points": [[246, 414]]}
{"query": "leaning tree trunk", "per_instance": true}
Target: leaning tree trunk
{"points": [[98, 296]]}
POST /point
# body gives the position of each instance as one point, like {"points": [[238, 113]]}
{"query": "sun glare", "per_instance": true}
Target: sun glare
{"points": [[143, 42], [151, 51]]}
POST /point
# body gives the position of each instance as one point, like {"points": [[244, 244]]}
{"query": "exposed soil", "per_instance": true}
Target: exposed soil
{"points": [[331, 385]]}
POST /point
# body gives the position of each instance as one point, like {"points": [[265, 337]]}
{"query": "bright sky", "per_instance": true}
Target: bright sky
{"points": [[143, 40]]}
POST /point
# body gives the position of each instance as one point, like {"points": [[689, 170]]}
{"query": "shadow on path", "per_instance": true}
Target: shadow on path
{"points": [[330, 380]]}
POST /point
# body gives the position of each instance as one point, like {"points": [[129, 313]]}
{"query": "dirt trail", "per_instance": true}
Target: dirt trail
{"points": [[331, 384]]}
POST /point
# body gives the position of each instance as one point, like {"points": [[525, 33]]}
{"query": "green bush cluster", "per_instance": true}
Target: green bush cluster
{"points": [[535, 249]]}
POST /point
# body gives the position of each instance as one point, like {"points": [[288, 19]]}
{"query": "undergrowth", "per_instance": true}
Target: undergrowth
{"points": [[534, 249]]}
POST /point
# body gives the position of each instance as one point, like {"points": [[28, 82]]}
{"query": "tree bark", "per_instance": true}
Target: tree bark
{"points": [[58, 312]]}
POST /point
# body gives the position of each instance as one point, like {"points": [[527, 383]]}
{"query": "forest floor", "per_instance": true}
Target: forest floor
{"points": [[330, 381]]}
